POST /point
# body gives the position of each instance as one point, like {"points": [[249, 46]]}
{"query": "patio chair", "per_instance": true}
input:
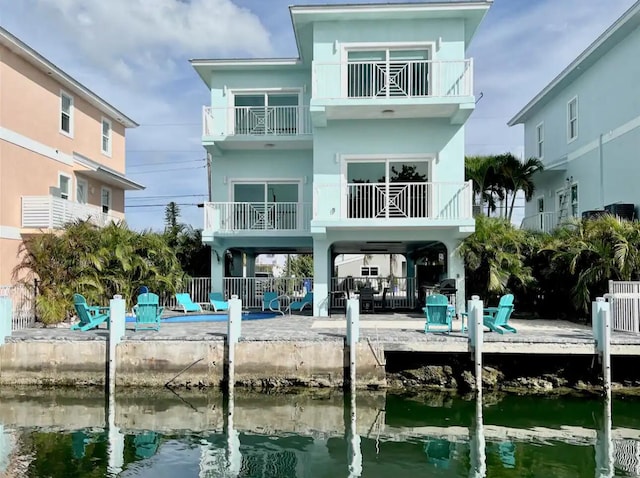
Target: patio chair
{"points": [[186, 304], [497, 318], [217, 301], [437, 312], [148, 312], [299, 305], [90, 316], [271, 301]]}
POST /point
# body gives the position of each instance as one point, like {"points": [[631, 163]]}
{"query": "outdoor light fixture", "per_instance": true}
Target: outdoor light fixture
{"points": [[387, 112]]}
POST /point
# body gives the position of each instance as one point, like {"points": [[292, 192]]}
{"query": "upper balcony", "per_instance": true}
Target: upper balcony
{"points": [[393, 89], [393, 204], [257, 126], [50, 212]]}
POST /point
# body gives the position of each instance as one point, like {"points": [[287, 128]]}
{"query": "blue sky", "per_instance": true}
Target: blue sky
{"points": [[134, 53]]}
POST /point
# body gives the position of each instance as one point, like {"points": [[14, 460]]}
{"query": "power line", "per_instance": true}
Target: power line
{"points": [[155, 151], [159, 205], [166, 170], [152, 164], [166, 196], [171, 124]]}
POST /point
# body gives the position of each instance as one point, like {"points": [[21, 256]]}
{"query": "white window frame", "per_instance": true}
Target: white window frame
{"points": [[70, 191], [570, 120], [261, 91], [102, 205], [345, 159], [575, 203], [369, 270], [263, 182], [378, 46], [540, 140], [84, 183], [71, 114], [106, 152]]}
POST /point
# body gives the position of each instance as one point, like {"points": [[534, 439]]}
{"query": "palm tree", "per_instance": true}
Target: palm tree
{"points": [[517, 176]]}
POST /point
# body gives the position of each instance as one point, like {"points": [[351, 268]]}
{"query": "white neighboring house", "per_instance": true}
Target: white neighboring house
{"points": [[375, 269], [585, 127]]}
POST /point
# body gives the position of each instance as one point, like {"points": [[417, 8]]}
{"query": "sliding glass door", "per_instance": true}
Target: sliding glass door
{"points": [[266, 113], [266, 205]]}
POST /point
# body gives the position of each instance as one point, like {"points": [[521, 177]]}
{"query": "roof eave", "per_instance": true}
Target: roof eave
{"points": [[523, 114], [36, 59]]}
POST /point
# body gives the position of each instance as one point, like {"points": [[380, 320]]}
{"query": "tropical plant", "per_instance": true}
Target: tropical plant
{"points": [[591, 252], [97, 263], [494, 257], [299, 265]]}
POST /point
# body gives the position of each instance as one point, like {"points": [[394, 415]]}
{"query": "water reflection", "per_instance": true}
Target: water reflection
{"points": [[314, 434]]}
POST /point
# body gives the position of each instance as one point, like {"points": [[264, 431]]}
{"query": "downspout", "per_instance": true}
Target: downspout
{"points": [[601, 158]]}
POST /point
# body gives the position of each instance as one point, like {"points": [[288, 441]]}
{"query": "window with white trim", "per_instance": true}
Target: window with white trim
{"points": [[82, 191], [572, 119], [105, 200], [540, 140], [574, 200], [388, 72], [66, 113], [106, 136], [369, 271], [64, 184]]}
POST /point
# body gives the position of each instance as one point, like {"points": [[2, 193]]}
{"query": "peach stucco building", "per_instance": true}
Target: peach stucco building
{"points": [[62, 151]]}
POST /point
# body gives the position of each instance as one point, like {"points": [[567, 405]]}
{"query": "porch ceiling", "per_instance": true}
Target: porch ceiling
{"points": [[381, 247]]}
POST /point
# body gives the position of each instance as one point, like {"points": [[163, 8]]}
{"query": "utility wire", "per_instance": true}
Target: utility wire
{"points": [[160, 205], [167, 196], [152, 165], [166, 170]]}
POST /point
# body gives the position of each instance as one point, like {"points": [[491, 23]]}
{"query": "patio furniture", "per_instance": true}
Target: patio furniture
{"points": [[186, 304], [146, 444], [367, 300], [337, 294], [438, 452], [299, 305], [496, 318], [216, 299], [90, 316], [437, 312], [148, 312], [271, 301]]}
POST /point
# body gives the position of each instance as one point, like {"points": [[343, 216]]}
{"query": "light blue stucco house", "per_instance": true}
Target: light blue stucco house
{"points": [[585, 126], [354, 147]]}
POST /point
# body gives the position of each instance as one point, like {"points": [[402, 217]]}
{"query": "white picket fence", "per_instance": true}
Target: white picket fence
{"points": [[624, 297], [23, 305]]}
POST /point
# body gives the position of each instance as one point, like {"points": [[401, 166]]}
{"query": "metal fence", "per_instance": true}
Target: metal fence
{"points": [[624, 297], [251, 289], [197, 287], [23, 305]]}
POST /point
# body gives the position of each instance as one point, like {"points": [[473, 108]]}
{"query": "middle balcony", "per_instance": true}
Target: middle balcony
{"points": [[257, 127]]}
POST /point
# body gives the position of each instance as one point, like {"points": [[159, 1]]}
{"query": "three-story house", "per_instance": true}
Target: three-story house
{"points": [[354, 147], [62, 151]]}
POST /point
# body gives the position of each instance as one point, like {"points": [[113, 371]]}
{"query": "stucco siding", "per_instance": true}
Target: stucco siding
{"points": [[30, 106]]}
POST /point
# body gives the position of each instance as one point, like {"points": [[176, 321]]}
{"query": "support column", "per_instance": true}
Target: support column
{"points": [[217, 270], [411, 281], [321, 277], [251, 264], [455, 270], [237, 270]]}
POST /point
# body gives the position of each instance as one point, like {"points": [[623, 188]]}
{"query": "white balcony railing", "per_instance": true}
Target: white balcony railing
{"points": [[256, 121], [50, 212], [393, 79], [232, 217], [436, 201], [540, 222]]}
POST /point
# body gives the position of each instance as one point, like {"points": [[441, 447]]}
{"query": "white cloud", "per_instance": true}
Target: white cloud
{"points": [[127, 37]]}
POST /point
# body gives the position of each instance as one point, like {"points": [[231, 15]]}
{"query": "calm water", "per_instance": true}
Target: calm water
{"points": [[64, 434]]}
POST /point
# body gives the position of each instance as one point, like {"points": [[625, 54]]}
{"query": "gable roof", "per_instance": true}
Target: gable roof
{"points": [[621, 28], [34, 58]]}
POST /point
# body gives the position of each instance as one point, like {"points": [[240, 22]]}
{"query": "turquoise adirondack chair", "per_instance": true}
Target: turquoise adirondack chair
{"points": [[148, 312], [497, 318], [299, 305], [437, 312], [90, 316], [217, 301], [186, 304], [271, 302]]}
